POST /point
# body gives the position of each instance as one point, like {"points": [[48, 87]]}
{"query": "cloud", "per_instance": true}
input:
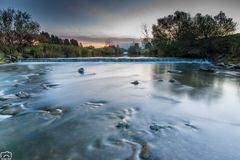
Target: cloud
{"points": [[113, 18], [99, 41]]}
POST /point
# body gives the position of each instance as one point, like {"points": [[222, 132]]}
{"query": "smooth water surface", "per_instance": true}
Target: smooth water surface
{"points": [[105, 117]]}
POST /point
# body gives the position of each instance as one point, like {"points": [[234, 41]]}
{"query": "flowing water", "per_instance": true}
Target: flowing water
{"points": [[101, 115]]}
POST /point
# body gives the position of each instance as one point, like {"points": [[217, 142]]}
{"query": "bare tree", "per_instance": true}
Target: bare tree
{"points": [[146, 41]]}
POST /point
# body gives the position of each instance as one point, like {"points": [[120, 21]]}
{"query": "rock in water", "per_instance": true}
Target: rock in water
{"points": [[135, 83], [237, 66], [175, 71], [81, 70], [48, 86], [11, 110], [207, 69], [157, 127], [7, 97], [172, 81], [220, 64], [22, 95], [54, 111], [145, 151], [122, 125]]}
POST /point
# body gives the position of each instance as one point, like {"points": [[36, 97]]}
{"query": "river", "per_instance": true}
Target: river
{"points": [[101, 115]]}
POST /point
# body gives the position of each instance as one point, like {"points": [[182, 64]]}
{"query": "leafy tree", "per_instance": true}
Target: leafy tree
{"points": [[6, 26], [180, 31], [74, 42], [146, 40], [134, 50], [25, 30], [17, 27], [44, 37], [56, 40], [225, 26], [66, 42]]}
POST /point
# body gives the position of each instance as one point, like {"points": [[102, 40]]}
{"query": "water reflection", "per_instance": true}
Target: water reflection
{"points": [[192, 83]]}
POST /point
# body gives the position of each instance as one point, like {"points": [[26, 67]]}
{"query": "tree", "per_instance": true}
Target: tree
{"points": [[225, 26], [44, 37], [25, 29], [146, 40], [205, 26], [17, 27], [56, 40], [6, 24], [74, 42], [134, 50], [66, 42], [182, 26]]}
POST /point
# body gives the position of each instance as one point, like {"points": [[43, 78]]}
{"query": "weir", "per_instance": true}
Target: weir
{"points": [[118, 59]]}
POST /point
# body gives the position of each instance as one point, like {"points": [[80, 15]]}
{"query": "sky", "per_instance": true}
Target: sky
{"points": [[92, 22]]}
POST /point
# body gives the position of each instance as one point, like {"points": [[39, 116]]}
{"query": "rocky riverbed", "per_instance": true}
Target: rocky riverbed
{"points": [[125, 111]]}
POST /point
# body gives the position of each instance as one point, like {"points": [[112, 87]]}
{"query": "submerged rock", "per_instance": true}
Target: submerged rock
{"points": [[233, 66], [7, 97], [22, 95], [175, 71], [172, 81], [157, 127], [237, 66], [81, 70], [48, 86], [145, 151], [54, 111], [207, 69], [220, 64], [191, 126], [10, 110], [122, 125], [135, 83]]}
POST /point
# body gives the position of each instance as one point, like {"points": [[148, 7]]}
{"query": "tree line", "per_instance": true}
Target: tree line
{"points": [[20, 37], [183, 35]]}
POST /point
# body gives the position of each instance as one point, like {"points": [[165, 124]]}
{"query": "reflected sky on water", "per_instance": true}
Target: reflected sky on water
{"points": [[106, 117]]}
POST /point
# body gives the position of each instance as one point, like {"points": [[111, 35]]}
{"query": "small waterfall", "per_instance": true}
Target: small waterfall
{"points": [[119, 59]]}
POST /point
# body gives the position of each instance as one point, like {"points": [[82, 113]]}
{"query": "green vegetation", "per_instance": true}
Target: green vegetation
{"points": [[20, 37], [201, 36], [181, 35], [177, 35]]}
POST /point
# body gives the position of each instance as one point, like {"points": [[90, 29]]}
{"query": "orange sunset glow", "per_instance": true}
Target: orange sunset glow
{"points": [[95, 44]]}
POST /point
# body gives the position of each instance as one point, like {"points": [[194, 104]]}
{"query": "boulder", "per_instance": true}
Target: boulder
{"points": [[122, 125], [220, 64], [22, 95], [54, 111], [81, 70], [135, 83], [157, 127], [172, 81]]}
